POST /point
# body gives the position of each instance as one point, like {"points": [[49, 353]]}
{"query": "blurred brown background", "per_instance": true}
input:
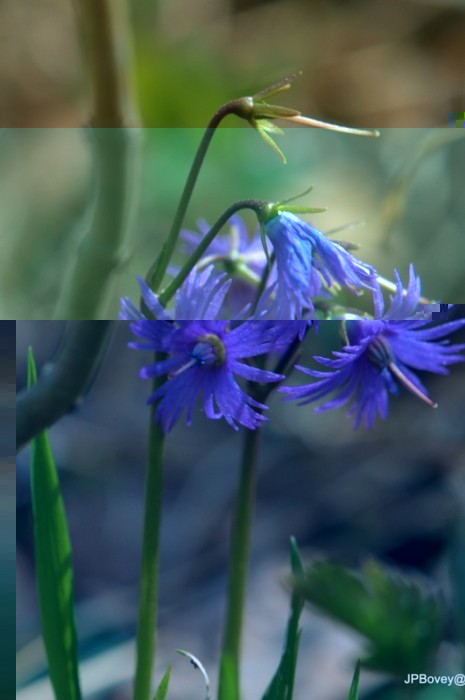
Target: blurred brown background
{"points": [[378, 63]]}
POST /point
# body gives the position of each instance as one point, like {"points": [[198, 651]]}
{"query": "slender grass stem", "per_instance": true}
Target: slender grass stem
{"points": [[148, 592], [238, 566]]}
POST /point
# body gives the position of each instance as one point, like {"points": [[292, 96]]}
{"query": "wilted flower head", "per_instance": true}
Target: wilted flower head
{"points": [[308, 263], [203, 360], [378, 356]]}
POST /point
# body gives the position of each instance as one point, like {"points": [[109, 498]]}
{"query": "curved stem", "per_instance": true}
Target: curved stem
{"points": [[240, 107], [148, 592], [62, 386], [168, 293], [238, 567]]}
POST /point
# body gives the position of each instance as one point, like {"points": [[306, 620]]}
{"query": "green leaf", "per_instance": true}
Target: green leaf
{"points": [[263, 127], [400, 619], [53, 566], [353, 692], [163, 687], [281, 686]]}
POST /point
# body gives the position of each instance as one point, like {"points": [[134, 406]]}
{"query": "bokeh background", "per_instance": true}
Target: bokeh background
{"points": [[395, 493], [396, 63], [403, 191], [397, 66]]}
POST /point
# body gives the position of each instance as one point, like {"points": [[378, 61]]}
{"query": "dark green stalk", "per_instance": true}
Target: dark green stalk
{"points": [[148, 592], [66, 381], [238, 566], [168, 293], [241, 107]]}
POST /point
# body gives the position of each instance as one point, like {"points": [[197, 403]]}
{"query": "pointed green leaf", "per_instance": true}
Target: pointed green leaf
{"points": [[53, 566], [269, 127], [278, 87], [401, 619], [263, 133], [281, 686], [353, 692], [163, 687], [295, 209]]}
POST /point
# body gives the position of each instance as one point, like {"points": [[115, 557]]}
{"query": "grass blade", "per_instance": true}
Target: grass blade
{"points": [[53, 566], [282, 683], [163, 687], [353, 692]]}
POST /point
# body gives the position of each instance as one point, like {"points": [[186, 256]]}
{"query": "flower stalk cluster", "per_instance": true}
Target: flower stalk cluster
{"points": [[287, 270]]}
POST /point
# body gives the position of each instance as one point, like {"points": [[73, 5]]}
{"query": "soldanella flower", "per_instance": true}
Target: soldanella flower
{"points": [[200, 297], [308, 263], [203, 360], [408, 303], [404, 303], [377, 358]]}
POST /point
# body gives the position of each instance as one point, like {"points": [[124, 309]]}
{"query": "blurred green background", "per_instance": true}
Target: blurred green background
{"points": [[407, 188]]}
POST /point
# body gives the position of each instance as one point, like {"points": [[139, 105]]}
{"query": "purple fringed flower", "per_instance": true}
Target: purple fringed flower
{"points": [[204, 358], [308, 262], [378, 356], [404, 303], [200, 297]]}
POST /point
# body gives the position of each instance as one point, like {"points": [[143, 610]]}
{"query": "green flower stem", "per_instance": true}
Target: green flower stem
{"points": [[238, 566], [168, 293], [148, 593], [241, 107], [263, 281], [229, 675]]}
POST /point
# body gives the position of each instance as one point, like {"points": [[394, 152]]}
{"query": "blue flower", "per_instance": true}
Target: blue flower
{"points": [[404, 303], [200, 297], [377, 357], [408, 303], [203, 360], [308, 264]]}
